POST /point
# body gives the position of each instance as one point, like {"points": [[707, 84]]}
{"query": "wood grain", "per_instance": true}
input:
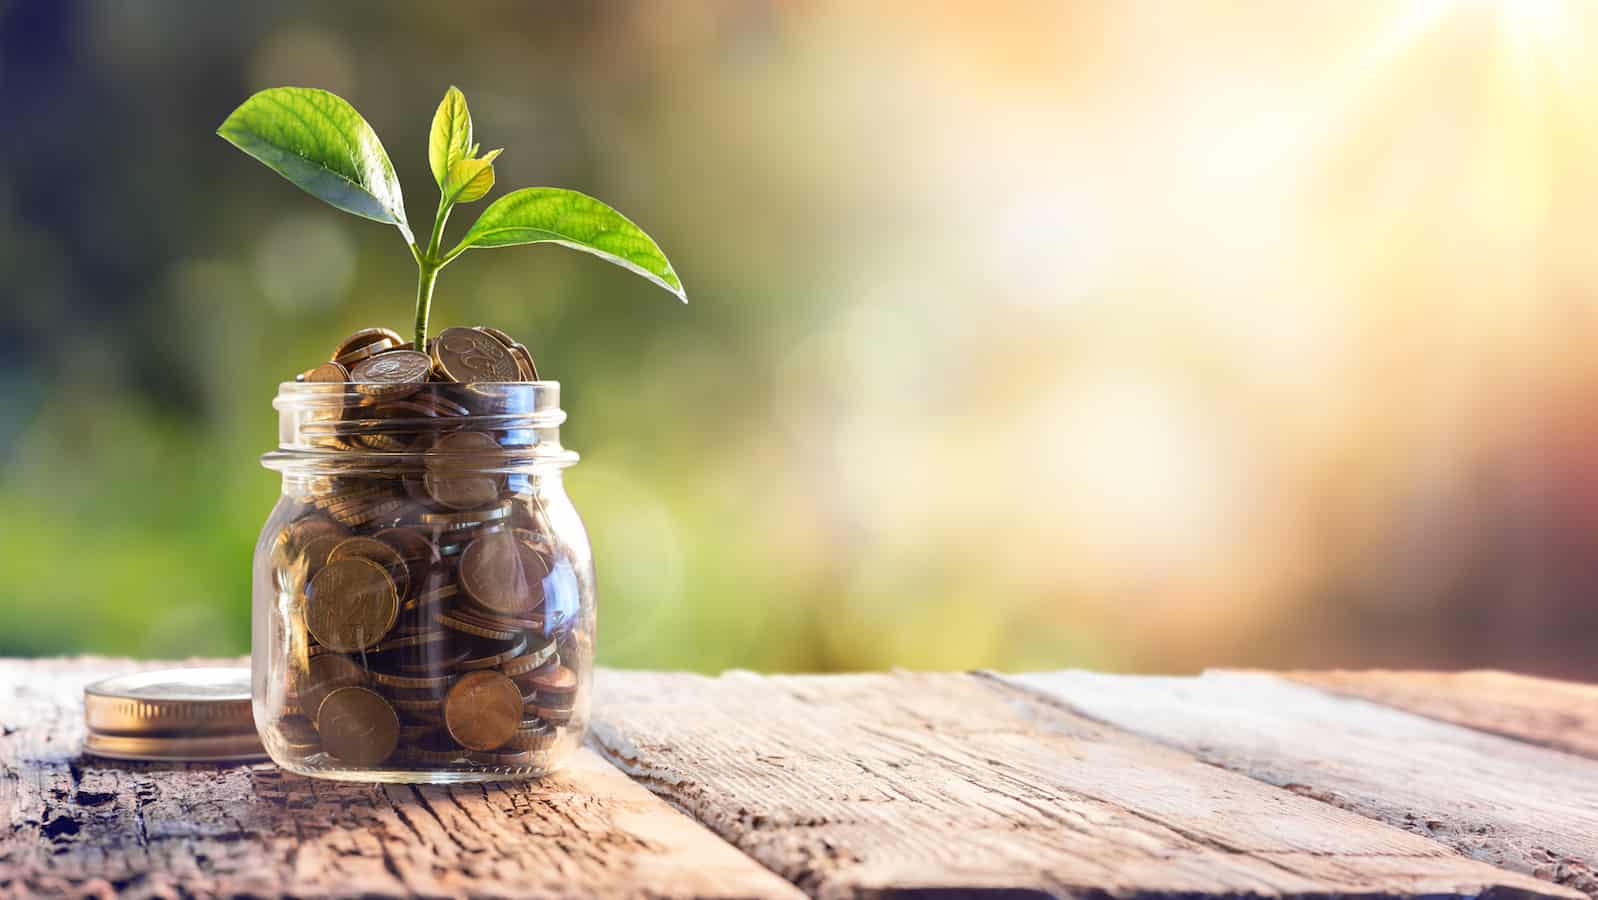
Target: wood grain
{"points": [[78, 825], [1558, 714], [1502, 801], [942, 785]]}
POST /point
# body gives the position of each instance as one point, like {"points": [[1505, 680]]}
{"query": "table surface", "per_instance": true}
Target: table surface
{"points": [[1304, 784]]}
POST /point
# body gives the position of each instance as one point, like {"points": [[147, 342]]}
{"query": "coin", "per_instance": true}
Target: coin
{"points": [[554, 715], [328, 372], [524, 360], [560, 680], [351, 604], [482, 618], [364, 338], [483, 710], [452, 521], [533, 734], [432, 596], [414, 682], [326, 673], [497, 335], [452, 621], [367, 352], [379, 552], [314, 554], [411, 642], [495, 658], [358, 726], [391, 375], [467, 355], [455, 478], [528, 662], [504, 575]]}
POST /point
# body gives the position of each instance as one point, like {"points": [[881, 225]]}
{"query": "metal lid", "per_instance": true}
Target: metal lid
{"points": [[172, 714]]}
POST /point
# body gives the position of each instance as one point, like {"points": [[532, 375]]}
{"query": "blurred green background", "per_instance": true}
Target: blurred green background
{"points": [[1132, 336]]}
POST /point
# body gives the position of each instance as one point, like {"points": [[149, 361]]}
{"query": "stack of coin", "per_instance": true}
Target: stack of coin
{"points": [[429, 616]]}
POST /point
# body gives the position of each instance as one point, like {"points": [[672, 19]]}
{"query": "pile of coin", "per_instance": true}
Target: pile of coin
{"points": [[427, 613]]}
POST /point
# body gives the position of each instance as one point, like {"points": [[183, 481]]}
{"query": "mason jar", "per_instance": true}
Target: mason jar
{"points": [[424, 589]]}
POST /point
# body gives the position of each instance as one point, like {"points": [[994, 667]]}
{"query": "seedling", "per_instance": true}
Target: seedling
{"points": [[318, 141]]}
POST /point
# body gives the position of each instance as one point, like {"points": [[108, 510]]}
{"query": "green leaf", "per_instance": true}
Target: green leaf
{"points": [[318, 141], [470, 179], [578, 221], [451, 138]]}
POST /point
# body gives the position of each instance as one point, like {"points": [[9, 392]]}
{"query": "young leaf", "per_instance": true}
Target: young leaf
{"points": [[470, 179], [318, 141], [451, 137], [578, 221]]}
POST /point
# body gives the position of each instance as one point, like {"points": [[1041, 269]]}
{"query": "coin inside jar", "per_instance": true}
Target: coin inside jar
{"points": [[503, 574], [350, 604], [454, 477], [467, 355], [483, 710], [379, 552], [358, 726], [326, 673]]}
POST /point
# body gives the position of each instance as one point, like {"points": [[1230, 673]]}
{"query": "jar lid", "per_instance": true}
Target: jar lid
{"points": [[172, 714]]}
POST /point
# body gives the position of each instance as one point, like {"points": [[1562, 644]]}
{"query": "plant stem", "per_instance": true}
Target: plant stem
{"points": [[427, 266], [426, 274]]}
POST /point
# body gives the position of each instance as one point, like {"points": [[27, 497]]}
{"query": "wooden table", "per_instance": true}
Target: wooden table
{"points": [[1375, 784]]}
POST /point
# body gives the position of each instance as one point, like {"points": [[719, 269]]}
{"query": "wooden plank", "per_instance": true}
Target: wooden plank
{"points": [[938, 784], [1558, 714], [1522, 807], [79, 825]]}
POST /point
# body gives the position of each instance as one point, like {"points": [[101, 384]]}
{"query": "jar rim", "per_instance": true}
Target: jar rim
{"points": [[363, 424]]}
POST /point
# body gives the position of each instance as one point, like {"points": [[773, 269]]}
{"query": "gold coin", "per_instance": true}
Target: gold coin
{"points": [[363, 338], [379, 552], [364, 353], [497, 658], [466, 355], [413, 682], [483, 710], [392, 375], [411, 641], [350, 604], [313, 555], [452, 621], [358, 726], [526, 663], [554, 715], [452, 521], [524, 361], [328, 372], [503, 574], [533, 734], [455, 478], [326, 673], [496, 334], [559, 680], [413, 547]]}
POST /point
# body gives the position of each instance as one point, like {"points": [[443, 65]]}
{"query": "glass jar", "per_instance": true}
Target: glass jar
{"points": [[424, 589]]}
